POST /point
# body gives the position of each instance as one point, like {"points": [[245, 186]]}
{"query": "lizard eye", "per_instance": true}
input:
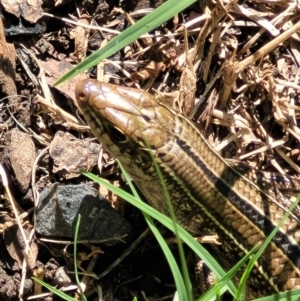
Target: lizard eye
{"points": [[117, 136]]}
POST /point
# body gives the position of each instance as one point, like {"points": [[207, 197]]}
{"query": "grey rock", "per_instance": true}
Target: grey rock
{"points": [[60, 205]]}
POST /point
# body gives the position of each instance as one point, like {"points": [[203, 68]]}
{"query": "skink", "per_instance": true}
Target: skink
{"points": [[205, 191]]}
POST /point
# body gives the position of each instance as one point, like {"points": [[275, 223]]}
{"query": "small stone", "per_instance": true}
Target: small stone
{"points": [[58, 209]]}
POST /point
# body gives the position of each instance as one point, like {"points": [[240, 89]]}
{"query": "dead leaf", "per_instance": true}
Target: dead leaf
{"points": [[75, 155], [22, 156], [80, 34], [16, 247], [54, 69], [31, 10], [7, 64]]}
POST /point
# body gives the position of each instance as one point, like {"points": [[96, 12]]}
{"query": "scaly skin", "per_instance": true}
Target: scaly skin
{"points": [[205, 191]]}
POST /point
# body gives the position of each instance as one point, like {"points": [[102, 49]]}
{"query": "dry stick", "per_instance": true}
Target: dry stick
{"points": [[27, 247], [43, 295], [85, 279], [125, 253], [215, 40], [231, 71], [213, 18], [262, 30], [83, 25], [12, 203], [144, 36], [206, 91], [267, 48], [48, 101]]}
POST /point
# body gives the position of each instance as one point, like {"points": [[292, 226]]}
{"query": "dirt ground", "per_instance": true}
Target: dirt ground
{"points": [[232, 66]]}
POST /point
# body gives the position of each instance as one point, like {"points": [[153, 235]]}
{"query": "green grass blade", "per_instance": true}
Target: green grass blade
{"points": [[198, 249], [290, 296], [167, 222], [187, 287], [75, 257], [169, 256], [185, 272], [160, 15], [254, 259], [180, 286], [210, 294], [54, 290]]}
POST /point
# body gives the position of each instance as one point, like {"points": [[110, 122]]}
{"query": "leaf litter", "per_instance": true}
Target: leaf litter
{"points": [[231, 66]]}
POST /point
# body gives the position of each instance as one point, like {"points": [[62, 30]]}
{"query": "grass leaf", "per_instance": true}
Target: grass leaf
{"points": [[160, 15], [167, 222]]}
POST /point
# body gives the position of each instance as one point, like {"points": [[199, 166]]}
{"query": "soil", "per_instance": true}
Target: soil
{"points": [[243, 75]]}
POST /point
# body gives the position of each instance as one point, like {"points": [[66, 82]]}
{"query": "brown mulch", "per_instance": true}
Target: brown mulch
{"points": [[232, 66]]}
